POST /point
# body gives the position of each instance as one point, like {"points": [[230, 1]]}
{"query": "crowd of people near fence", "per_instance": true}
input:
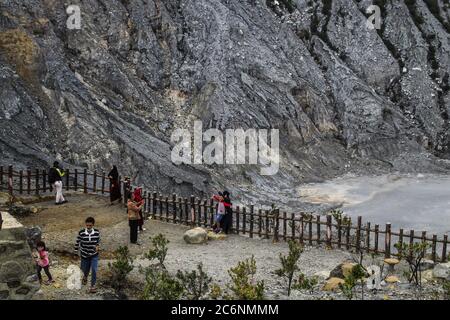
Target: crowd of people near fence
{"points": [[87, 244]]}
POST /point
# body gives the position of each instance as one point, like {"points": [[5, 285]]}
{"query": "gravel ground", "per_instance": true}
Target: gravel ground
{"points": [[61, 223]]}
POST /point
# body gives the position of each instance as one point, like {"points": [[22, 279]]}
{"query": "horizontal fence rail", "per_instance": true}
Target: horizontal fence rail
{"points": [[306, 228]]}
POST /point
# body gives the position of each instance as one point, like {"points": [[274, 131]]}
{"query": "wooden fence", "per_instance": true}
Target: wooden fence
{"points": [[306, 228]]}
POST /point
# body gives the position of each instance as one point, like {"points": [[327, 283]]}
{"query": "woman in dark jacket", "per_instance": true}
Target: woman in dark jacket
{"points": [[114, 192], [227, 220]]}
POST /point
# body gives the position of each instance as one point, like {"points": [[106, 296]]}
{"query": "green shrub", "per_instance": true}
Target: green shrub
{"points": [[243, 285], [160, 285], [305, 283], [120, 268], [195, 283], [357, 274], [289, 264], [413, 254], [159, 250]]}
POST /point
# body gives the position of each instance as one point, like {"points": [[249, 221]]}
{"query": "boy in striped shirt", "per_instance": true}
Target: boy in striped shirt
{"points": [[87, 244]]}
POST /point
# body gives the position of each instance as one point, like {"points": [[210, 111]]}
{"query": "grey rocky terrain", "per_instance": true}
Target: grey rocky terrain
{"points": [[345, 98]]}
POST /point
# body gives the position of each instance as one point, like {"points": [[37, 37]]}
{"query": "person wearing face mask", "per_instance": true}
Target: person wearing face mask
{"points": [[87, 244]]}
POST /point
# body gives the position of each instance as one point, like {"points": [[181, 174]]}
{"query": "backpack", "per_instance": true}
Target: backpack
{"points": [[221, 208], [51, 176]]}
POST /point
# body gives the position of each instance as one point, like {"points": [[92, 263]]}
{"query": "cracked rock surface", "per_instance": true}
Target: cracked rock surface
{"points": [[345, 98]]}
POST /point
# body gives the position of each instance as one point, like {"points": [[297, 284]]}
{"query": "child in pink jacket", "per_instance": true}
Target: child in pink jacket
{"points": [[42, 262]]}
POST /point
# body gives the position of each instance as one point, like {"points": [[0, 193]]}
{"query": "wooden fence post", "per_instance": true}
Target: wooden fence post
{"points": [[67, 179], [160, 199], [21, 181], [174, 208], [302, 226], [103, 182], [387, 241], [44, 182], [411, 242], [166, 201], [310, 233], [37, 181], [329, 234], [284, 218], [424, 240], [154, 205], [186, 211], [400, 241], [433, 248], [76, 179], [1, 178], [192, 211], [444, 249], [244, 220], [339, 231], [267, 224], [145, 210], [198, 215], [318, 228], [293, 226], [85, 181], [29, 181], [277, 225], [251, 220], [368, 237], [212, 211], [376, 238], [347, 234], [10, 180], [259, 222], [205, 214], [94, 186], [237, 220], [358, 234]]}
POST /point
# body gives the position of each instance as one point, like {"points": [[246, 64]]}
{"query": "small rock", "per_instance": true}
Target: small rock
{"points": [[426, 265], [322, 274], [442, 271], [332, 284], [196, 236], [216, 236], [427, 275], [392, 279]]}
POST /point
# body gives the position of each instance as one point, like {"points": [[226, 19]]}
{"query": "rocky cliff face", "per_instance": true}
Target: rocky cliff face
{"points": [[345, 98]]}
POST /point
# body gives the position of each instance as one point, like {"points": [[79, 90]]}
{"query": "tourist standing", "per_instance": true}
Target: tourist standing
{"points": [[138, 199], [114, 192], [227, 220], [219, 213], [133, 217], [43, 262], [87, 243], [55, 175]]}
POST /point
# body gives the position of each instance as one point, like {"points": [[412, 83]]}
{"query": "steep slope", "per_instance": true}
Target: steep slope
{"points": [[345, 98]]}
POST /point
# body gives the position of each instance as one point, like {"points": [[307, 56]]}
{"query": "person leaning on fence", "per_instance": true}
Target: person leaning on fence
{"points": [[133, 209], [220, 212], [55, 175], [87, 243]]}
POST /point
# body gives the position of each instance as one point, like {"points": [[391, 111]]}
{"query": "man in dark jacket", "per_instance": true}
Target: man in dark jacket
{"points": [[55, 175]]}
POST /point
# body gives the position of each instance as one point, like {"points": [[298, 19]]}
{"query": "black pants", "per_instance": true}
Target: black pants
{"points": [[225, 223], [46, 270], [133, 230]]}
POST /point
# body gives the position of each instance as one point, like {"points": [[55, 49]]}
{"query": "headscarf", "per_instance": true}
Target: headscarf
{"points": [[138, 194], [114, 174]]}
